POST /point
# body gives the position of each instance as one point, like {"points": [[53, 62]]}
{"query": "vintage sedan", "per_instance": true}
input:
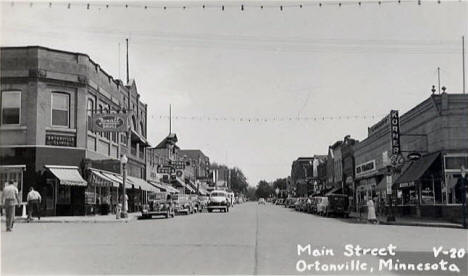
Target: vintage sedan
{"points": [[159, 204], [183, 204]]}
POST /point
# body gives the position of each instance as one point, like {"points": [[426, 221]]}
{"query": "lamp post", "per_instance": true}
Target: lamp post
{"points": [[463, 189], [124, 161]]}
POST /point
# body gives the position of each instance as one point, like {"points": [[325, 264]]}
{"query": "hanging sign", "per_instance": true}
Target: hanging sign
{"points": [[116, 122], [395, 132]]}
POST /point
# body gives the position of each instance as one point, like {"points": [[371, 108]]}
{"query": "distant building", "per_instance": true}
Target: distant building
{"points": [[305, 175]]}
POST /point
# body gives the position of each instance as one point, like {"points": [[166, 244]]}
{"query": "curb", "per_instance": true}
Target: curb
{"points": [[72, 221], [455, 226]]}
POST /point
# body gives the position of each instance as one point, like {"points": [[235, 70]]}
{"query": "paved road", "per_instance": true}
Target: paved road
{"points": [[250, 239]]}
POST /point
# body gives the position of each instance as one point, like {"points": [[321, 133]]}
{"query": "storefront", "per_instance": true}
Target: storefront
{"points": [[64, 190], [102, 193], [428, 187]]}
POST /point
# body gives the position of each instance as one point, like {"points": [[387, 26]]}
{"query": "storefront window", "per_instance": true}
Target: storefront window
{"points": [[64, 195]]}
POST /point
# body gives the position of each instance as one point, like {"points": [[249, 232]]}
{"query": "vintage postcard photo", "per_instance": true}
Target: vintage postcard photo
{"points": [[243, 137]]}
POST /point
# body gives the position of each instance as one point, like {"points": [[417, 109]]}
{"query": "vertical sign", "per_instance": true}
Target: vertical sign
{"points": [[395, 132], [389, 184]]}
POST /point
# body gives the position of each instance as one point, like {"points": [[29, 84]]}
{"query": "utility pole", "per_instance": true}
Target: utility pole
{"points": [[463, 63], [438, 77], [128, 72], [170, 119]]}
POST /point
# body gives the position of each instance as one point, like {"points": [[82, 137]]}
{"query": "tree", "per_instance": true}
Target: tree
{"points": [[264, 189], [280, 183], [251, 193]]}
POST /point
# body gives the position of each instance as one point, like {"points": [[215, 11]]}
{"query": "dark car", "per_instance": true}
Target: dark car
{"points": [[337, 205], [159, 204], [291, 202]]}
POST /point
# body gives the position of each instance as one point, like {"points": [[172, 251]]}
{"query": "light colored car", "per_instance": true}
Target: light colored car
{"points": [[218, 201], [261, 201], [322, 204]]}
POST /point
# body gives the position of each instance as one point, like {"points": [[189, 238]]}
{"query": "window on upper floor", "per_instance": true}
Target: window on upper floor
{"points": [[142, 129], [90, 111], [107, 110], [11, 107], [60, 109]]}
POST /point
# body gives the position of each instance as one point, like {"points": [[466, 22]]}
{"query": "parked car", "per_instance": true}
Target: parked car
{"points": [[291, 202], [337, 205], [261, 201], [279, 201], [203, 201], [309, 204], [182, 204], [159, 204], [322, 204], [218, 201], [196, 204], [298, 204], [313, 205]]}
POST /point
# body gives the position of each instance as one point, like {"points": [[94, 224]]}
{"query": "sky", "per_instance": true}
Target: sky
{"points": [[280, 69]]}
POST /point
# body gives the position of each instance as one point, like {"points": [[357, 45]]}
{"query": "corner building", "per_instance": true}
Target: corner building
{"points": [[437, 129], [47, 99]]}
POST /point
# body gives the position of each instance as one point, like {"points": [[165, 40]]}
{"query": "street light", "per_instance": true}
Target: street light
{"points": [[124, 161]]}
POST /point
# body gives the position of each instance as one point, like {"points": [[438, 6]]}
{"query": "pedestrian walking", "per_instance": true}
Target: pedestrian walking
{"points": [[10, 199], [371, 211], [34, 202]]}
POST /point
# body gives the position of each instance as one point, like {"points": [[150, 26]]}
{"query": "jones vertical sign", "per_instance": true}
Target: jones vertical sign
{"points": [[395, 132]]}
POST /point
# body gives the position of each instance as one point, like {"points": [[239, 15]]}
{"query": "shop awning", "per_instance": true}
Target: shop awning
{"points": [[179, 182], [99, 179], [171, 189], [190, 189], [67, 175], [114, 177], [142, 184], [158, 185], [334, 191], [416, 169]]}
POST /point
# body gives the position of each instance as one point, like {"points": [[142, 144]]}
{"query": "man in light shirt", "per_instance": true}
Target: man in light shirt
{"points": [[34, 203], [10, 200]]}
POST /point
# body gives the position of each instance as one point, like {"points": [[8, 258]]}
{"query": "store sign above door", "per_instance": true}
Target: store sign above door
{"points": [[109, 122]]}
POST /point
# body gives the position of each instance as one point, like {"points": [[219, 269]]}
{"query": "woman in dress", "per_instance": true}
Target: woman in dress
{"points": [[371, 211]]}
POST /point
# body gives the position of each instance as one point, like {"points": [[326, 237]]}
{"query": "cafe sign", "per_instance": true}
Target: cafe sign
{"points": [[109, 122]]}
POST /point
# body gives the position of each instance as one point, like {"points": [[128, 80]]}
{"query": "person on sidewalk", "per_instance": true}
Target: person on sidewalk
{"points": [[34, 203], [10, 199], [371, 211]]}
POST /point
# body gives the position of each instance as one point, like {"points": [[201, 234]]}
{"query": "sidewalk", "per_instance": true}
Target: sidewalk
{"points": [[406, 221], [79, 219]]}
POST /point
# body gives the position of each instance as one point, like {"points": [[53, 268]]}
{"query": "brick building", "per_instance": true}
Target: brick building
{"points": [[47, 99], [437, 129]]}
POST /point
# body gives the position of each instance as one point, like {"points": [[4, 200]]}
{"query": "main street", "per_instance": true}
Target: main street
{"points": [[250, 239]]}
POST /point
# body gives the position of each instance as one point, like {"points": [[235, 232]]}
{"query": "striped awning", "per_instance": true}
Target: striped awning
{"points": [[114, 177], [142, 184], [99, 179], [67, 175]]}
